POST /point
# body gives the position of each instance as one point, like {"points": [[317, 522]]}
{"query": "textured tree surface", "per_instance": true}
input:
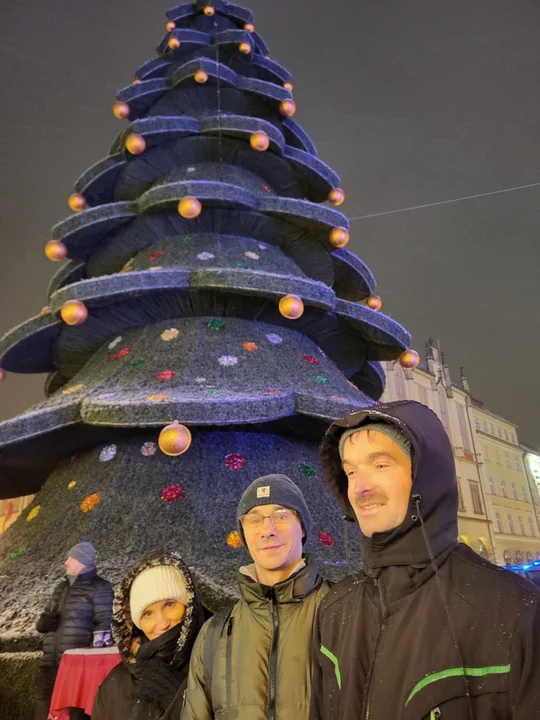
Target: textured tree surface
{"points": [[182, 322]]}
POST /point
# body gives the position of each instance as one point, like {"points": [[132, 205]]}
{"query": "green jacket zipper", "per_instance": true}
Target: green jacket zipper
{"points": [[383, 614], [273, 658]]}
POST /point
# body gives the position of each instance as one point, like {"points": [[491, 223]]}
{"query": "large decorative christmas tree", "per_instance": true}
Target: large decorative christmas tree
{"points": [[206, 283]]}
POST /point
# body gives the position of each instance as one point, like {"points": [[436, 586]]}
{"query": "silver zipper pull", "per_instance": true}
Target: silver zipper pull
{"points": [[435, 714]]}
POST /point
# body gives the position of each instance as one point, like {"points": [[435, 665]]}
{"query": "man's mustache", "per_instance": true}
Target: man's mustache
{"points": [[371, 497]]}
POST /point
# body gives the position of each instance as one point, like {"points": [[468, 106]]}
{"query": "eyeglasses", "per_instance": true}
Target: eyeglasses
{"points": [[280, 519]]}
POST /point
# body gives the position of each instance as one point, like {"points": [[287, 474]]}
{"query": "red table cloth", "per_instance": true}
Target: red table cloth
{"points": [[79, 675]]}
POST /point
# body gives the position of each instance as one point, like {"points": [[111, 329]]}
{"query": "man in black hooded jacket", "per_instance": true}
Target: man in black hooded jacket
{"points": [[429, 629]]}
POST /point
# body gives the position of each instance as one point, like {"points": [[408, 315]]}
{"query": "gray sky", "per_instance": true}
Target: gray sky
{"points": [[410, 102]]}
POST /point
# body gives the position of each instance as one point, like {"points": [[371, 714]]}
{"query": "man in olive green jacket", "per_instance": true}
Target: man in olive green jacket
{"points": [[261, 667]]}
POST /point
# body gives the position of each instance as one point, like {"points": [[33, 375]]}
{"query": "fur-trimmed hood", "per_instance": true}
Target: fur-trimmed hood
{"points": [[128, 637]]}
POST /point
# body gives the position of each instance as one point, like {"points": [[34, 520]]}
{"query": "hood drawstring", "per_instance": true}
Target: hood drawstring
{"points": [[417, 500]]}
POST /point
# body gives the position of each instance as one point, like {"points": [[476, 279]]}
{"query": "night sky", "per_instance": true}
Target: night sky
{"points": [[410, 102]]}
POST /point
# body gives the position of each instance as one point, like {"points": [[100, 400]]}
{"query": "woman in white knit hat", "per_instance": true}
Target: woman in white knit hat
{"points": [[157, 614]]}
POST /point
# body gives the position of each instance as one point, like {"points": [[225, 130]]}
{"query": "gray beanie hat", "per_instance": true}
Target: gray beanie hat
{"points": [[85, 553], [274, 490], [391, 431]]}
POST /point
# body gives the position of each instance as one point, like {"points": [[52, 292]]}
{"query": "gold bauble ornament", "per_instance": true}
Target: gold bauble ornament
{"points": [[170, 26], [2, 375], [135, 144], [336, 197], [136, 81], [174, 43], [74, 312], [174, 439], [339, 237], [55, 250], [291, 307], [288, 86], [77, 202], [374, 302], [249, 27], [259, 141], [245, 48], [287, 108], [409, 359], [120, 110], [201, 77], [189, 207], [209, 11]]}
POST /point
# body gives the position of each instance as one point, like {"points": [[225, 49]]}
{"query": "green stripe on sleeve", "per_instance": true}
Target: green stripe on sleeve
{"points": [[457, 672], [333, 658]]}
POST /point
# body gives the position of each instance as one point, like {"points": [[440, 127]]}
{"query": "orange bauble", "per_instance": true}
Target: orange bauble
{"points": [[170, 26], [201, 77], [74, 312], [374, 302], [189, 207], [55, 250], [136, 81], [250, 27], [135, 144], [174, 43], [291, 307], [245, 48], [2, 375], [174, 439], [120, 110], [77, 202], [409, 359], [259, 141], [209, 10], [336, 197], [339, 237], [287, 108], [288, 86]]}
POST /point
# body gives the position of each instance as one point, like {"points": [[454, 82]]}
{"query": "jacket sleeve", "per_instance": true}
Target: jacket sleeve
{"points": [[197, 705], [103, 600], [525, 664], [49, 618], [315, 710]]}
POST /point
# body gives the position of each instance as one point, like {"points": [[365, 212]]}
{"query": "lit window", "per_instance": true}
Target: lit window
{"points": [[531, 525], [511, 524], [484, 426], [518, 464], [507, 460], [476, 498], [492, 486], [503, 489], [499, 522], [514, 491], [521, 524]]}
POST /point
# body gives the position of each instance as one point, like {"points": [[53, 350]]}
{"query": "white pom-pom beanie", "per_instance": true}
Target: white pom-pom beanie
{"points": [[163, 582]]}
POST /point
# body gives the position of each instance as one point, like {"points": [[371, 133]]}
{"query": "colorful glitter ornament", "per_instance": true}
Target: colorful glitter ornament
{"points": [[205, 256], [274, 338], [17, 553], [172, 493], [321, 379], [158, 397], [311, 359], [250, 346], [170, 334], [149, 449], [252, 255], [307, 469], [234, 540], [120, 354], [215, 324], [137, 363], [73, 389], [200, 379], [326, 539], [33, 513], [273, 391], [115, 342], [90, 502], [241, 266], [211, 391], [235, 461], [228, 360], [262, 246], [108, 453], [165, 375], [71, 485], [155, 256]]}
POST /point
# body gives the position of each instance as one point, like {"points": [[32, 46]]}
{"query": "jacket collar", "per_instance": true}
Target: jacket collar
{"points": [[297, 586]]}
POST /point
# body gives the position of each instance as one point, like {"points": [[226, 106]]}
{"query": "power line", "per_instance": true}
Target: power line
{"points": [[445, 202]]}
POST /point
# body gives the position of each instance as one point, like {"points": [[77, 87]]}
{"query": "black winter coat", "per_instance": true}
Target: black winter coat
{"points": [[421, 635], [83, 608]]}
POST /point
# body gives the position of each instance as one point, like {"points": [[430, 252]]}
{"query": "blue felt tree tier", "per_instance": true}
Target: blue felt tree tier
{"points": [[184, 324]]}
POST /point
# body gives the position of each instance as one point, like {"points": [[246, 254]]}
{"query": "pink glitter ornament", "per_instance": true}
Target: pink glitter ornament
{"points": [[120, 354], [172, 493], [155, 256], [235, 461], [165, 375], [326, 539]]}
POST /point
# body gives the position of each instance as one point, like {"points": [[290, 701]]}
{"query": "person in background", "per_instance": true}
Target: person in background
{"points": [[258, 668], [77, 615], [157, 616]]}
